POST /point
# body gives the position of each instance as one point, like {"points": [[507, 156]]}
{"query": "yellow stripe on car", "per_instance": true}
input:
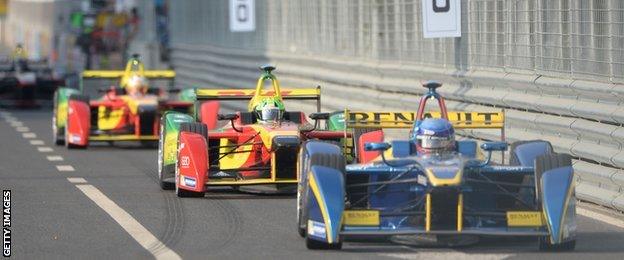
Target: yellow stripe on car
{"points": [[323, 206]]}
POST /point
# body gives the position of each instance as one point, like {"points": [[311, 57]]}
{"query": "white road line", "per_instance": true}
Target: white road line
{"points": [[435, 254], [29, 135], [600, 217], [22, 129], [65, 168], [76, 180], [45, 149], [16, 123], [37, 142], [54, 158], [137, 231]]}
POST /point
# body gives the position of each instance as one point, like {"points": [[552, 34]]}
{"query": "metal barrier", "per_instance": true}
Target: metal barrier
{"points": [[555, 66]]}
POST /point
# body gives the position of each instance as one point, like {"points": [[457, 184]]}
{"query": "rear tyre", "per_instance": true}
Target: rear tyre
{"points": [[306, 161], [163, 171], [545, 163], [197, 128], [78, 98]]}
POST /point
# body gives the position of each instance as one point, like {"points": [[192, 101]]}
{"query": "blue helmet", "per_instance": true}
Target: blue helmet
{"points": [[434, 135]]}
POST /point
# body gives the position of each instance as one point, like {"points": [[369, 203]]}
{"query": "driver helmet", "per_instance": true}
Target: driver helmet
{"points": [[434, 135], [269, 110], [137, 85]]}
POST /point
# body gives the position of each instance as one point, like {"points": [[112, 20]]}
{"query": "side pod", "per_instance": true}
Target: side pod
{"points": [[558, 203], [78, 125], [325, 204], [192, 165]]}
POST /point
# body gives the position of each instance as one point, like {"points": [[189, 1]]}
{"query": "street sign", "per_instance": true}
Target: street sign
{"points": [[242, 16], [441, 18]]}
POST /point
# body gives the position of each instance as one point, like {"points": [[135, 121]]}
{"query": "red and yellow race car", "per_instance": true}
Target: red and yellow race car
{"points": [[129, 111], [256, 152]]}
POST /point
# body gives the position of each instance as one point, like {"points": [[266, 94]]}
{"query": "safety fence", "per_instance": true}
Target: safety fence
{"points": [[556, 67]]}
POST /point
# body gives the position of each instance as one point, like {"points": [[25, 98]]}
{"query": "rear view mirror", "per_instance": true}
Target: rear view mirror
{"points": [[494, 146], [319, 116], [227, 116], [376, 146]]}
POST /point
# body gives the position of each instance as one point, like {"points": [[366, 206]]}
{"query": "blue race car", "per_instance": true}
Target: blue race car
{"points": [[433, 185]]}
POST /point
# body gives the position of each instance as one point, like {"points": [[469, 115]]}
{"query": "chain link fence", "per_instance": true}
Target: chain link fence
{"points": [[559, 38]]}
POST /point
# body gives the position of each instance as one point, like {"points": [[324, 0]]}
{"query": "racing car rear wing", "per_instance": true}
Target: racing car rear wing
{"points": [[460, 120], [161, 74], [248, 94]]}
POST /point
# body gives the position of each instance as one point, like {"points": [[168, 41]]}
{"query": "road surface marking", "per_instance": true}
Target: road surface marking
{"points": [[76, 180], [16, 123], [44, 149], [29, 135], [22, 129], [137, 231], [433, 253], [65, 168], [600, 217], [36, 142], [54, 158]]}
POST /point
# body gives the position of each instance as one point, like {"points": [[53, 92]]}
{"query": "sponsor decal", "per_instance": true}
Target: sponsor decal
{"points": [[316, 229], [75, 138], [422, 180], [6, 223], [221, 174], [361, 217], [185, 161], [406, 119], [190, 182]]}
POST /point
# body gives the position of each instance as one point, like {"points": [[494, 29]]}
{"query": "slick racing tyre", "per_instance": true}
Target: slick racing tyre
{"points": [[58, 133], [542, 164], [197, 128], [545, 163], [306, 160], [165, 174]]}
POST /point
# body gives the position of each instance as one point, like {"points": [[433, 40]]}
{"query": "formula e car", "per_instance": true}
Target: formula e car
{"points": [[129, 111], [252, 153], [401, 192], [24, 81]]}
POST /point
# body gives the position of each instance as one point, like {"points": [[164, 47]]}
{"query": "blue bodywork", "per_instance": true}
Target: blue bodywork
{"points": [[399, 189]]}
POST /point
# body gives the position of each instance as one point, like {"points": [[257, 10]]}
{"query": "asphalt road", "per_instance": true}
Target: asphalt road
{"points": [[56, 217]]}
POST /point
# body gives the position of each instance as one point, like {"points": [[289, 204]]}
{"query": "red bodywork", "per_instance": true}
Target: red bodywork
{"points": [[78, 123], [196, 153], [129, 122]]}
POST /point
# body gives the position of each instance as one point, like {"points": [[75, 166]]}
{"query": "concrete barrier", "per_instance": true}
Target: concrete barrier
{"points": [[581, 118]]}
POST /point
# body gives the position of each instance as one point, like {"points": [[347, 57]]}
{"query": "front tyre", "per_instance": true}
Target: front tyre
{"points": [[164, 172], [58, 133]]}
